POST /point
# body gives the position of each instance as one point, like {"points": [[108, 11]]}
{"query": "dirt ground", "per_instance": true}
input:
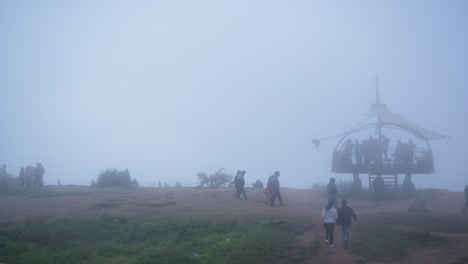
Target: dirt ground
{"points": [[304, 205]]}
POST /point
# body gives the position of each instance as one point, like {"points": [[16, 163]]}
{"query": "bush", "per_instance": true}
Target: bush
{"points": [[258, 184], [215, 180], [8, 183], [112, 177]]}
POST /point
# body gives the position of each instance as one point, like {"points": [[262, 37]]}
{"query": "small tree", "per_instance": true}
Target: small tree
{"points": [[215, 180]]}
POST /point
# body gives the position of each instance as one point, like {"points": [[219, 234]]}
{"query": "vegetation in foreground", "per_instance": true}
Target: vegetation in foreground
{"points": [[111, 239], [390, 236]]}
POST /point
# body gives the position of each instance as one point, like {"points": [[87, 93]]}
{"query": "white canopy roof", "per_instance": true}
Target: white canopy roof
{"points": [[380, 110]]}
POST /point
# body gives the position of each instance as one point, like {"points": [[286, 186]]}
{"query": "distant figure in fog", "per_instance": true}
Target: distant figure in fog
{"points": [[358, 152], [3, 177], [379, 186], [268, 191], [385, 144], [239, 184], [275, 189], [3, 171], [332, 191], [29, 176], [38, 173], [410, 152], [399, 154], [466, 200], [22, 178], [329, 216], [345, 214]]}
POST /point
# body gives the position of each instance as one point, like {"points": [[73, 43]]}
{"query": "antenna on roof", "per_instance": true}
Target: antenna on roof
{"points": [[377, 87]]}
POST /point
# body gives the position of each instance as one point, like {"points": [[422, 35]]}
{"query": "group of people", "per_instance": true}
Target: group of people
{"points": [[332, 215], [404, 153], [32, 177], [239, 184], [272, 190], [369, 150], [29, 177]]}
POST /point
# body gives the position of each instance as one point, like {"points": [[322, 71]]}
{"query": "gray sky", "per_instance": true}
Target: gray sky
{"points": [[168, 89]]}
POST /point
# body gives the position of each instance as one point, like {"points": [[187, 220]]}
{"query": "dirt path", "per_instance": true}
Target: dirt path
{"points": [[303, 205]]}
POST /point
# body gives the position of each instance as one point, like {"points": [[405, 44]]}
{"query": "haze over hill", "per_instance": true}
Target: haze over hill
{"points": [[170, 89]]}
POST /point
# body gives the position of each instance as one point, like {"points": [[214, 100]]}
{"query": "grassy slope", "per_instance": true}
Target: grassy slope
{"points": [[148, 240], [390, 236]]}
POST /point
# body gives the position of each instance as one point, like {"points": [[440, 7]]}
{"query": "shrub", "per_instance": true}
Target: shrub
{"points": [[8, 183], [112, 177], [258, 184], [215, 180]]}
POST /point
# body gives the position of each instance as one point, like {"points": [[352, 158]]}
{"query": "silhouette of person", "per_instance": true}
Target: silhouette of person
{"points": [[38, 173], [22, 178], [275, 189], [466, 200], [332, 191], [329, 216], [398, 154], [345, 214], [239, 183], [358, 152], [385, 144], [379, 187], [3, 171]]}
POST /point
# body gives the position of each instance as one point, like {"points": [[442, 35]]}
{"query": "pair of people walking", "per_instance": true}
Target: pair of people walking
{"points": [[342, 216], [272, 191], [239, 184]]}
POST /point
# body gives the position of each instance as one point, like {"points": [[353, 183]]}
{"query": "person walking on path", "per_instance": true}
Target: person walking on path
{"points": [[239, 184], [332, 191], [275, 189], [466, 200], [345, 214], [329, 216]]}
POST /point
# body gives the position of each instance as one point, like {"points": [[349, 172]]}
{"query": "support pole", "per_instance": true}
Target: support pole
{"points": [[408, 186], [356, 188]]}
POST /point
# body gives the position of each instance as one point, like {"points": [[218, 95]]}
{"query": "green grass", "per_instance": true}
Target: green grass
{"points": [[149, 240], [390, 236]]}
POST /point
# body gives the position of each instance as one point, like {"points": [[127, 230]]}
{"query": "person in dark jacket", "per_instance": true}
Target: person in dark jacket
{"points": [[38, 173], [345, 214], [239, 184], [466, 200], [275, 189], [332, 191], [379, 188]]}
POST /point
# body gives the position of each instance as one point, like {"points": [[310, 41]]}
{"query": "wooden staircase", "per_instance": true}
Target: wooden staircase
{"points": [[390, 182]]}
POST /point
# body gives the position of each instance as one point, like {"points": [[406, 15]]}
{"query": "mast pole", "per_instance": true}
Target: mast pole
{"points": [[379, 119]]}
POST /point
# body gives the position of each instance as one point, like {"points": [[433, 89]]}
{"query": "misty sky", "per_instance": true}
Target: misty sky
{"points": [[168, 89]]}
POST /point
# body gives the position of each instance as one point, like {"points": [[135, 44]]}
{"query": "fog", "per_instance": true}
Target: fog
{"points": [[168, 89]]}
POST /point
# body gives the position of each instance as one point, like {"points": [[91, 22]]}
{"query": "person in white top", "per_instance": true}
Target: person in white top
{"points": [[329, 216]]}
